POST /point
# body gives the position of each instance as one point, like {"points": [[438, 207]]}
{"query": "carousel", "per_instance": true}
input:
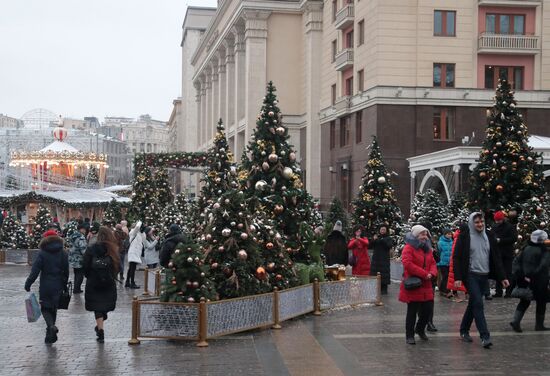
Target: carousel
{"points": [[60, 164]]}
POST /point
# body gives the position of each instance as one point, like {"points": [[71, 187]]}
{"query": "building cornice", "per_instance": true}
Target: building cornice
{"points": [[428, 96]]}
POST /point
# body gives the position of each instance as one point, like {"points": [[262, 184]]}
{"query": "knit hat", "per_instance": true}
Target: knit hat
{"points": [[538, 236], [446, 230], [417, 230], [49, 233], [499, 216], [174, 229], [338, 226]]}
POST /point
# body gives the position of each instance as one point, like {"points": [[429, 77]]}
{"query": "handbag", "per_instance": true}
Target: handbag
{"points": [[32, 307], [523, 293], [65, 297], [412, 282], [352, 260]]}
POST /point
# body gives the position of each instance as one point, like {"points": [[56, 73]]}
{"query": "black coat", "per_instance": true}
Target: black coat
{"points": [[508, 236], [380, 262], [336, 249], [98, 299], [461, 257], [52, 263], [169, 245], [534, 263]]}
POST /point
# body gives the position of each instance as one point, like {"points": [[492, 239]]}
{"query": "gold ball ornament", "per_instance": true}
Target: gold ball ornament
{"points": [[260, 273], [273, 158], [499, 188], [278, 209], [287, 173]]}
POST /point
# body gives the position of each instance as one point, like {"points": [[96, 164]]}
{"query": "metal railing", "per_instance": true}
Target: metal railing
{"points": [[344, 58], [512, 42], [344, 16]]}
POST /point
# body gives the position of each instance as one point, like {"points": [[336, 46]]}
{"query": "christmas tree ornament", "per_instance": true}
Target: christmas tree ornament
{"points": [[287, 173]]}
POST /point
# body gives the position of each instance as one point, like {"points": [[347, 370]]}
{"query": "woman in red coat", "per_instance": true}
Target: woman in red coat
{"points": [[418, 261], [359, 247]]}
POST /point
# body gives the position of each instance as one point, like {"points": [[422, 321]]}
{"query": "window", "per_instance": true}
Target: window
{"points": [[360, 80], [349, 39], [443, 123], [332, 134], [513, 74], [361, 25], [334, 49], [333, 94], [358, 126], [444, 75], [505, 24], [334, 9], [349, 86], [344, 131], [444, 23]]}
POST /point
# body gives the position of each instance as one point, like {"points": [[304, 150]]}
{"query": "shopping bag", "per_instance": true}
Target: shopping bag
{"points": [[33, 308]]}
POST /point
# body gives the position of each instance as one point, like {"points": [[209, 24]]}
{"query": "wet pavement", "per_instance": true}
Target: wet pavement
{"points": [[354, 341]]}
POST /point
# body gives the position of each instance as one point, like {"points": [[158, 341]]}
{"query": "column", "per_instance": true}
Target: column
{"points": [[208, 109], [198, 98], [222, 85], [203, 111], [313, 19], [255, 69], [215, 99], [239, 48], [230, 83]]}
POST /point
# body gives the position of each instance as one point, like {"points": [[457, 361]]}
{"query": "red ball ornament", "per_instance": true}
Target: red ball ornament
{"points": [[499, 188], [269, 245]]}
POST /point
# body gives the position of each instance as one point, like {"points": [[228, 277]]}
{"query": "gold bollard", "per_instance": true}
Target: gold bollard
{"points": [[378, 290], [157, 283], [135, 322], [316, 298], [203, 324], [146, 282], [276, 324]]}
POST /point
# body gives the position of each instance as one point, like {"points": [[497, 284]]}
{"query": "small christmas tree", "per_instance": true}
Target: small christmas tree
{"points": [[457, 203], [187, 277], [14, 234], [336, 212], [92, 177], [144, 194], [70, 228], [231, 252], [42, 220], [430, 208], [113, 213], [376, 204], [508, 173], [534, 216], [164, 192], [271, 172]]}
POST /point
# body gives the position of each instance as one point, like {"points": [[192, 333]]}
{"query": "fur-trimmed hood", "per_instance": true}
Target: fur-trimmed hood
{"points": [[52, 244]]}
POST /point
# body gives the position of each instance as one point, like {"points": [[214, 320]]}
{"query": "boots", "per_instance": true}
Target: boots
{"points": [[518, 315], [539, 323], [51, 334], [134, 286], [100, 333]]}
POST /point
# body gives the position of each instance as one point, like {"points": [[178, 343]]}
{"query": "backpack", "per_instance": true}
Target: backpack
{"points": [[101, 270]]}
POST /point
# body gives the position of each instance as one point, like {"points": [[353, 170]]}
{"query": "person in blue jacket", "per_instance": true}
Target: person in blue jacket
{"points": [[445, 247]]}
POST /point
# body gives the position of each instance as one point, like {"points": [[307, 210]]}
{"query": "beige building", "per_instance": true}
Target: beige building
{"points": [[245, 45], [142, 135], [10, 122]]}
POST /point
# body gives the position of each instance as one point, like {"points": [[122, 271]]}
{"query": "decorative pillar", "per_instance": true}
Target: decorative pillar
{"points": [[456, 170], [313, 47], [239, 48], [215, 98], [208, 108], [198, 98], [230, 84], [203, 112], [222, 85], [256, 70], [412, 187]]}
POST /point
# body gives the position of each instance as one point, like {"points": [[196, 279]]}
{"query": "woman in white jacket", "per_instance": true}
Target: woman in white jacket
{"points": [[136, 238], [150, 243]]}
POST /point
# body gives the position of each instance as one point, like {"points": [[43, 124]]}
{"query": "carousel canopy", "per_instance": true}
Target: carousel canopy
{"points": [[59, 147], [76, 197]]}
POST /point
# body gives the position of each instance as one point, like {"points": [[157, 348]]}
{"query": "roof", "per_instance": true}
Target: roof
{"points": [[71, 197], [539, 142], [117, 188], [60, 146]]}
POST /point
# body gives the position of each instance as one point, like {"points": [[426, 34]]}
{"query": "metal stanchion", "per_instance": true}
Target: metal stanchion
{"points": [[203, 324], [146, 282], [135, 322], [316, 298], [276, 323]]}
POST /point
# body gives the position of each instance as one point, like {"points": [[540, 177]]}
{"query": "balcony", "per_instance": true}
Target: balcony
{"points": [[502, 43], [510, 3], [344, 59], [344, 17]]}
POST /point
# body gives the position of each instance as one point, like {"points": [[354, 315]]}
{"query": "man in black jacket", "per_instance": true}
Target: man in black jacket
{"points": [[506, 236], [476, 258], [174, 237]]}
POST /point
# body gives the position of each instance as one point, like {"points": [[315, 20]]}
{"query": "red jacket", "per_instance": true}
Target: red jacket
{"points": [[359, 248], [451, 278], [413, 265]]}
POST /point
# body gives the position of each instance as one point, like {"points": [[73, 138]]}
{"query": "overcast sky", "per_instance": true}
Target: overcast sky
{"points": [[91, 58]]}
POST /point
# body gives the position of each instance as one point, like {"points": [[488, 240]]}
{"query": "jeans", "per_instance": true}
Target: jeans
{"points": [[507, 263], [78, 279], [122, 259], [422, 309], [476, 284]]}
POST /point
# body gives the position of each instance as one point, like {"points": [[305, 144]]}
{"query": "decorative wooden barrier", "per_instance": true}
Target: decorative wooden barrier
{"points": [[18, 256], [396, 270], [151, 282], [205, 320]]}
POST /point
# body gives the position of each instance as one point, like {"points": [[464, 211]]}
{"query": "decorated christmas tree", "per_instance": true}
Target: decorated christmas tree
{"points": [[336, 212], [144, 194], [508, 173], [457, 203], [430, 208], [171, 215], [42, 220], [219, 167], [534, 216], [187, 276], [271, 172], [92, 177], [70, 228], [14, 235], [113, 213], [376, 204], [164, 191], [233, 255]]}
